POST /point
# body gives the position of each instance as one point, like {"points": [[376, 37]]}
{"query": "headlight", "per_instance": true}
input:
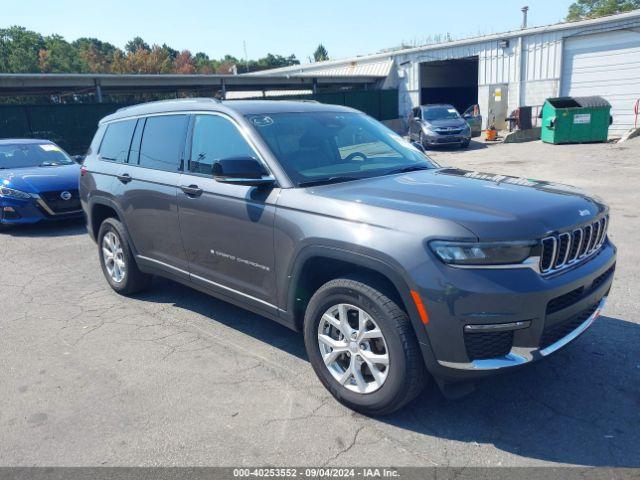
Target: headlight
{"points": [[467, 253], [427, 129], [12, 193]]}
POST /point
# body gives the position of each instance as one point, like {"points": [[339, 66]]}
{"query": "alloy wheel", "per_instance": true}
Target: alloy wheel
{"points": [[353, 348], [113, 256]]}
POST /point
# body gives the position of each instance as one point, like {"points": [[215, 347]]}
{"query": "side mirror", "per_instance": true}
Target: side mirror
{"points": [[241, 171], [419, 146], [78, 159]]}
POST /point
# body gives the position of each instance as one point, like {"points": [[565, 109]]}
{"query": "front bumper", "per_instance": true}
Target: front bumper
{"points": [[485, 321], [522, 355], [434, 140], [15, 211]]}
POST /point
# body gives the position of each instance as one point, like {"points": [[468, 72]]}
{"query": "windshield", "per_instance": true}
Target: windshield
{"points": [[32, 155], [325, 147], [445, 112]]}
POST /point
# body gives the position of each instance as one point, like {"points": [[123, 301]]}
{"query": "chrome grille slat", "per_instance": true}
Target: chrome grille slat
{"points": [[576, 243], [564, 249]]}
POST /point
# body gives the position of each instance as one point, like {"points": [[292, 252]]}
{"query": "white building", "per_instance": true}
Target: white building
{"points": [[503, 71]]}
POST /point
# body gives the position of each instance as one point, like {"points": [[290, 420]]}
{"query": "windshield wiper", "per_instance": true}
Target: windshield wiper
{"points": [[326, 181], [410, 168]]}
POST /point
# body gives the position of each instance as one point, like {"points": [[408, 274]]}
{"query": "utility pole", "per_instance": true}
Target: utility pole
{"points": [[524, 10]]}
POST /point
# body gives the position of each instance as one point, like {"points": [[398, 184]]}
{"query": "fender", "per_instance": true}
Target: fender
{"points": [[107, 202], [392, 272]]}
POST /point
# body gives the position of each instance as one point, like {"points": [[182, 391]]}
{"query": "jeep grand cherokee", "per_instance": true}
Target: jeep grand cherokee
{"points": [[322, 219]]}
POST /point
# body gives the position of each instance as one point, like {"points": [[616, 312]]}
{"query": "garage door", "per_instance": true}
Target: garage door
{"points": [[605, 64]]}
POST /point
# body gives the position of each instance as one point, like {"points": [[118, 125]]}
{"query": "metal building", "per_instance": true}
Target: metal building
{"points": [[501, 72]]}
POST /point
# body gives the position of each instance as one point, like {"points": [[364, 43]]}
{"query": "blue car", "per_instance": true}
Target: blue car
{"points": [[38, 182]]}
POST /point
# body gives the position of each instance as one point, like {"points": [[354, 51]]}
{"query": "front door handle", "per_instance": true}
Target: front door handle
{"points": [[192, 190], [125, 178]]}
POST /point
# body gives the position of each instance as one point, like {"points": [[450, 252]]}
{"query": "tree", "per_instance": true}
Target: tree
{"points": [[136, 44], [582, 9], [20, 50], [184, 63], [95, 55], [321, 54], [60, 56]]}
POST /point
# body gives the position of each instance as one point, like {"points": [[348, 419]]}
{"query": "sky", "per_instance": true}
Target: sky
{"points": [[345, 27]]}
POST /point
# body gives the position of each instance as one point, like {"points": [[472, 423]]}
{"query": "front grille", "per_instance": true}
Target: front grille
{"points": [[564, 301], [602, 278], [574, 296], [555, 332], [446, 131], [58, 205], [488, 345], [565, 249]]}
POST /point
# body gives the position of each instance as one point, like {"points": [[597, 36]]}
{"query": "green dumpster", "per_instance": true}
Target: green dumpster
{"points": [[575, 120]]}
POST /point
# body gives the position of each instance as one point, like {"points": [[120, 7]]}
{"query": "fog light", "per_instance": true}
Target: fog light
{"points": [[9, 213]]}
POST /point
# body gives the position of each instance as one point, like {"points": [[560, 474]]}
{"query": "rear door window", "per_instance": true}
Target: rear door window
{"points": [[162, 142], [116, 141]]}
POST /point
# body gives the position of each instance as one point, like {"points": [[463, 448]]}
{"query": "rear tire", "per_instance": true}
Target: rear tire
{"points": [[117, 261], [352, 361]]}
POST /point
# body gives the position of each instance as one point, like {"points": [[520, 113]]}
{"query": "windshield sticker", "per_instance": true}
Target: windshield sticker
{"points": [[262, 121], [47, 147]]}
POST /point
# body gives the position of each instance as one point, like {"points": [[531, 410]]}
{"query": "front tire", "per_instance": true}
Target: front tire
{"points": [[362, 347], [116, 259]]}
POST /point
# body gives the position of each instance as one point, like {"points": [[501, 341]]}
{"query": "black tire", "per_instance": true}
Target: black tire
{"points": [[465, 144], [407, 374], [134, 280]]}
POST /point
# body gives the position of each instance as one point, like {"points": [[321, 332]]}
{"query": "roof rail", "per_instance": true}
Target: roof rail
{"points": [[306, 100], [155, 102]]}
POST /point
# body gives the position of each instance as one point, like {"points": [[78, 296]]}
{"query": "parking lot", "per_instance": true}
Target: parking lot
{"points": [[174, 377]]}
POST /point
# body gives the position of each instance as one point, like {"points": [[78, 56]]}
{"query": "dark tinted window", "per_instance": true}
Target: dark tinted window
{"points": [[215, 138], [116, 141], [162, 142]]}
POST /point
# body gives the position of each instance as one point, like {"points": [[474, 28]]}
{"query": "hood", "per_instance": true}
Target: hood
{"points": [[493, 207], [42, 179], [448, 122]]}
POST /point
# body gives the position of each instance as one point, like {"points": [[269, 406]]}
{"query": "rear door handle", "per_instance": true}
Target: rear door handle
{"points": [[125, 178], [191, 190]]}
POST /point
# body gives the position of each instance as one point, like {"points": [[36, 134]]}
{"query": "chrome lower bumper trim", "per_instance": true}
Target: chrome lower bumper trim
{"points": [[522, 355]]}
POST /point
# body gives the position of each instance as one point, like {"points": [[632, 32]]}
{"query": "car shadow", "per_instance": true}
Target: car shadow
{"points": [[476, 144], [581, 406], [60, 228], [256, 326]]}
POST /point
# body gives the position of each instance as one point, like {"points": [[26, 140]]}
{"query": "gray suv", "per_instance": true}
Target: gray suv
{"points": [[320, 218], [440, 124]]}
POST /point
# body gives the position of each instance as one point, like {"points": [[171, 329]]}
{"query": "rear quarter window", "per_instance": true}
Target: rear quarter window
{"points": [[116, 141]]}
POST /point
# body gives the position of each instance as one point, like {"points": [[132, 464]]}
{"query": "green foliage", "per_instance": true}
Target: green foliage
{"points": [[19, 50], [582, 9], [321, 54], [25, 51]]}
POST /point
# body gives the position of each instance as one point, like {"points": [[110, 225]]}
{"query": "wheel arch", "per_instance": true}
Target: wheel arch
{"points": [[316, 265], [99, 210]]}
